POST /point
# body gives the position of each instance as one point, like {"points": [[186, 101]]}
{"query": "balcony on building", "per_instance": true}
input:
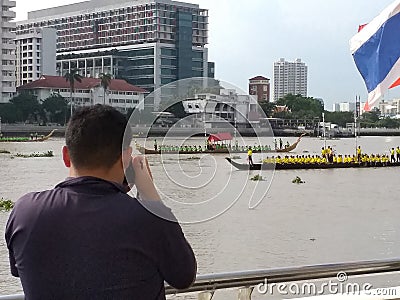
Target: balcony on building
{"points": [[11, 78], [10, 25], [9, 14], [9, 3], [8, 46], [8, 89], [8, 57]]}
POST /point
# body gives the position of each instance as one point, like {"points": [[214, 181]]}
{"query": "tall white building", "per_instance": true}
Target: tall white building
{"points": [[7, 51], [290, 78], [35, 54]]}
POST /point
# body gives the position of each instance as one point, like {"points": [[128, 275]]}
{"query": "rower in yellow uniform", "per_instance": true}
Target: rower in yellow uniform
{"points": [[359, 153], [392, 159], [323, 152], [250, 156]]}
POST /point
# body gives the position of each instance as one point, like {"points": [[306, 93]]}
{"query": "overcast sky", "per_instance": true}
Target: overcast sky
{"points": [[248, 36]]}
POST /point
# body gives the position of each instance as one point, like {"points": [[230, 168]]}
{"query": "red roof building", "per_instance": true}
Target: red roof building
{"points": [[259, 86], [89, 91], [59, 82]]}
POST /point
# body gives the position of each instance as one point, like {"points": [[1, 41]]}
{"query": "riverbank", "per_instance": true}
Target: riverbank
{"points": [[24, 130]]}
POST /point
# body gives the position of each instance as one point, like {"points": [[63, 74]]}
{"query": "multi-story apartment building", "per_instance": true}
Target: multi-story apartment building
{"points": [[147, 42], [259, 86], [290, 78], [35, 54], [7, 51]]}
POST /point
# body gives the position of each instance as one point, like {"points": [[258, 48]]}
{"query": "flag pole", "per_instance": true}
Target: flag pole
{"points": [[204, 124], [356, 112], [324, 132]]}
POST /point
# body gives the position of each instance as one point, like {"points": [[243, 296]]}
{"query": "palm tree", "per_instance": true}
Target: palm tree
{"points": [[72, 76], [105, 83]]}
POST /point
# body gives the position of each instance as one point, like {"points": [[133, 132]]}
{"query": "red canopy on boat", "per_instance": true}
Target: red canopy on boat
{"points": [[223, 136]]}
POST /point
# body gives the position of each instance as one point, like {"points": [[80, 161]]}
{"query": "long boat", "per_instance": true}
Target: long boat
{"points": [[289, 148], [266, 166], [26, 139], [144, 150]]}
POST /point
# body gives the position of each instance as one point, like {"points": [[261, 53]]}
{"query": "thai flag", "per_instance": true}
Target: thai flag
{"points": [[376, 52]]}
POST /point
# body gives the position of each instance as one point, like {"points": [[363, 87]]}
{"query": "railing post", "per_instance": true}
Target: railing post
{"points": [[245, 293], [205, 295]]}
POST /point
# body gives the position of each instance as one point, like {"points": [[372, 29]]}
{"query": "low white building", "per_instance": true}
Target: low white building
{"points": [[228, 105], [389, 108], [119, 94]]}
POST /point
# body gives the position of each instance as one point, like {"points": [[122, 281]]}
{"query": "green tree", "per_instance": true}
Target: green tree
{"points": [[27, 106], [370, 118], [72, 77], [267, 107], [339, 117], [302, 107], [388, 123], [105, 83], [9, 113], [56, 107]]}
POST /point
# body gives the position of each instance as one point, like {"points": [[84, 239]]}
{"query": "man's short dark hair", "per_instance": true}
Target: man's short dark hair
{"points": [[95, 136]]}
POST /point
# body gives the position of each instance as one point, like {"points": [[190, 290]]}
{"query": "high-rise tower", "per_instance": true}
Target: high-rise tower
{"points": [[7, 51], [290, 78]]}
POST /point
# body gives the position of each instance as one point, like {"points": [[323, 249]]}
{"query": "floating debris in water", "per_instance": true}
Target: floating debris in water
{"points": [[14, 139], [256, 178], [44, 154], [4, 152], [6, 204], [193, 158], [297, 180]]}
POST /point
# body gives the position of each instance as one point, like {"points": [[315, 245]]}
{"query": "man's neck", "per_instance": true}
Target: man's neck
{"points": [[109, 174]]}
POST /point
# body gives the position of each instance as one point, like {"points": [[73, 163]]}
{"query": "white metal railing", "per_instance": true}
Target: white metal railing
{"points": [[245, 281]]}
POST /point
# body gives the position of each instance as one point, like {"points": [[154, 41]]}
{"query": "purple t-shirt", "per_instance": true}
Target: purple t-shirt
{"points": [[88, 239]]}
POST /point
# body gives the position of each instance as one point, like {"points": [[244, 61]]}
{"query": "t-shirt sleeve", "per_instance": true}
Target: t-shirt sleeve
{"points": [[8, 233], [178, 263], [22, 213], [176, 260], [13, 268]]}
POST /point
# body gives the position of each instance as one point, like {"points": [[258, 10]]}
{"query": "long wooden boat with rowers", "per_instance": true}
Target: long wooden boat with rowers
{"points": [[144, 150], [26, 139], [263, 166], [289, 148]]}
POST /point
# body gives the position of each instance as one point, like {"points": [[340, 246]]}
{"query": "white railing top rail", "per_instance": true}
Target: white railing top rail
{"points": [[218, 281]]}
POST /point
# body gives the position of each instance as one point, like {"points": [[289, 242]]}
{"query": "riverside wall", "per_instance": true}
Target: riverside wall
{"points": [[26, 129]]}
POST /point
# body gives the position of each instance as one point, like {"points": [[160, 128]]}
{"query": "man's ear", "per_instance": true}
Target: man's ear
{"points": [[126, 157], [65, 156]]}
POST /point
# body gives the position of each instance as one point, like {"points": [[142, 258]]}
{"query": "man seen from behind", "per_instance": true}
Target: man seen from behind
{"points": [[86, 238]]}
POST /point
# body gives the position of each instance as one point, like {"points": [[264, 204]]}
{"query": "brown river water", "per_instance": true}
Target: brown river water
{"points": [[233, 223]]}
